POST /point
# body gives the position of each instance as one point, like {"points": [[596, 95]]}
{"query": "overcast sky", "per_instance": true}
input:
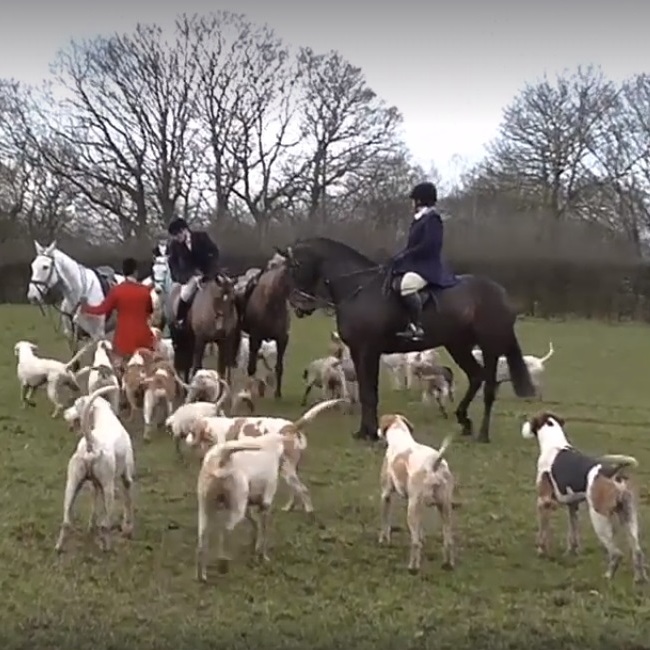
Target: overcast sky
{"points": [[450, 67]]}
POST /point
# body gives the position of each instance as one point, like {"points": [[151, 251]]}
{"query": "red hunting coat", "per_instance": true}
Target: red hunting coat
{"points": [[132, 302]]}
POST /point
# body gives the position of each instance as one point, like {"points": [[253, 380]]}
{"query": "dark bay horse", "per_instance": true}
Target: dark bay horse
{"points": [[264, 313], [474, 312]]}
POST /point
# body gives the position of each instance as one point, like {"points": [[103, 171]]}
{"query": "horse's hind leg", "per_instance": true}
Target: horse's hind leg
{"points": [[281, 344], [462, 355], [489, 394]]}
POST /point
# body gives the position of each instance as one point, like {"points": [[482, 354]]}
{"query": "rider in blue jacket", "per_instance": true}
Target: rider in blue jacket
{"points": [[420, 263]]}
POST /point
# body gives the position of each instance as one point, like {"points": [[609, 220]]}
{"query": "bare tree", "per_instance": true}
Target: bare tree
{"points": [[620, 180], [344, 127], [263, 123], [546, 133], [123, 130], [220, 40]]}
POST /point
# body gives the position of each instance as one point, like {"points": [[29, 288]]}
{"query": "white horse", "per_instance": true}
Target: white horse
{"points": [[160, 281], [54, 269]]}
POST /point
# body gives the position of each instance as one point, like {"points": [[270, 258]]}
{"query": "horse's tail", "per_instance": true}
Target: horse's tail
{"points": [[519, 374]]}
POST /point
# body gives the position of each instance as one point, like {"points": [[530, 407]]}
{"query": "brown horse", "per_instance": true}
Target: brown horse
{"points": [[212, 318], [263, 305]]}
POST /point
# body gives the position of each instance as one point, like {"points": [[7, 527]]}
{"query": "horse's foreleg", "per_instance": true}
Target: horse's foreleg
{"points": [[463, 357], [198, 354], [489, 395], [366, 363], [254, 345], [281, 345]]}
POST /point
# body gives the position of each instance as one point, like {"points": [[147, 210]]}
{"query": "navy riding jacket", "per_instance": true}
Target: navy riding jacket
{"points": [[422, 254], [203, 257]]}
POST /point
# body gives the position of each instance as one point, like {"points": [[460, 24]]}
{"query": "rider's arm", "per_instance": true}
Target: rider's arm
{"points": [[211, 252], [425, 242], [173, 261], [105, 307]]}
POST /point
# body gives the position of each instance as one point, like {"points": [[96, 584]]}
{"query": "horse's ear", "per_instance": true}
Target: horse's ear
{"points": [[51, 248], [284, 252], [39, 248]]}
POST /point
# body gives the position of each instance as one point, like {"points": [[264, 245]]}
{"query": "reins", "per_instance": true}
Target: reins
{"points": [[330, 304]]}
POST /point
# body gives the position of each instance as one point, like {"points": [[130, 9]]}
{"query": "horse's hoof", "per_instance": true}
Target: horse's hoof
{"points": [[483, 439]]}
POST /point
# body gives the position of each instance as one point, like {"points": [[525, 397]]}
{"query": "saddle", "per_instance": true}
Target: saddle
{"points": [[428, 294], [106, 277], [244, 286]]}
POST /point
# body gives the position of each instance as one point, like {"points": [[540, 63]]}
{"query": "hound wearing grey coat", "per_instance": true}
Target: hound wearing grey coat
{"points": [[566, 476]]}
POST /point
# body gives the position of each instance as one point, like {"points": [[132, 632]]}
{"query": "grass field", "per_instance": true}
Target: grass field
{"points": [[329, 583]]}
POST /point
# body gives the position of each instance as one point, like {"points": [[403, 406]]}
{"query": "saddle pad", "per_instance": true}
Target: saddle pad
{"points": [[106, 283]]}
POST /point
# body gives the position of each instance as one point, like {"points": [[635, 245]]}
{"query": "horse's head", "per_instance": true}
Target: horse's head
{"points": [[160, 272], [222, 298], [45, 274], [304, 267]]}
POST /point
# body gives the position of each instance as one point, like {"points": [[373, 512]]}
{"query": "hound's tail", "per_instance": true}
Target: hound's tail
{"points": [[223, 396], [86, 424], [618, 462], [231, 447], [309, 415], [549, 354], [79, 354], [446, 443]]}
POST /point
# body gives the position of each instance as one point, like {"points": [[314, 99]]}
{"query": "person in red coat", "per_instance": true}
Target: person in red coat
{"points": [[132, 302]]}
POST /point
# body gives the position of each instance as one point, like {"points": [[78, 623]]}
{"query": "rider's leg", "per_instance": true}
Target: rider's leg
{"points": [[185, 299], [409, 286]]}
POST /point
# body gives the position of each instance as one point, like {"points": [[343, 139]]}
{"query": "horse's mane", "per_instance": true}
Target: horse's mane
{"points": [[337, 248]]}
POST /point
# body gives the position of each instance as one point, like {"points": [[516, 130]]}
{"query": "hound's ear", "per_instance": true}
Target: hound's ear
{"points": [[408, 423], [558, 419], [385, 423]]}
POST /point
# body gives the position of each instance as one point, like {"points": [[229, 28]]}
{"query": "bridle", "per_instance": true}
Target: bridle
{"points": [[329, 305], [45, 286]]}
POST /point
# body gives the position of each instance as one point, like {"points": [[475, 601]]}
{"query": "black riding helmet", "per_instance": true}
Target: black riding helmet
{"points": [[424, 194], [177, 226]]}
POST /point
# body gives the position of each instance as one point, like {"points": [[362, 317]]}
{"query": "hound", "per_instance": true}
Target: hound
{"points": [[325, 373], [206, 386], [102, 373], [33, 371], [209, 431], [421, 475], [103, 454], [235, 476], [568, 477], [536, 367]]}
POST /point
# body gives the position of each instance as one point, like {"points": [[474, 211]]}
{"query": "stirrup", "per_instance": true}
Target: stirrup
{"points": [[412, 333]]}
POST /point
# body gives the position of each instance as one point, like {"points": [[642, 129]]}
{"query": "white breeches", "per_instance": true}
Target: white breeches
{"points": [[411, 283], [189, 288]]}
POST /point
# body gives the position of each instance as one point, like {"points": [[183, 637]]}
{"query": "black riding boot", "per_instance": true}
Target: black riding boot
{"points": [[182, 312], [413, 304]]}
